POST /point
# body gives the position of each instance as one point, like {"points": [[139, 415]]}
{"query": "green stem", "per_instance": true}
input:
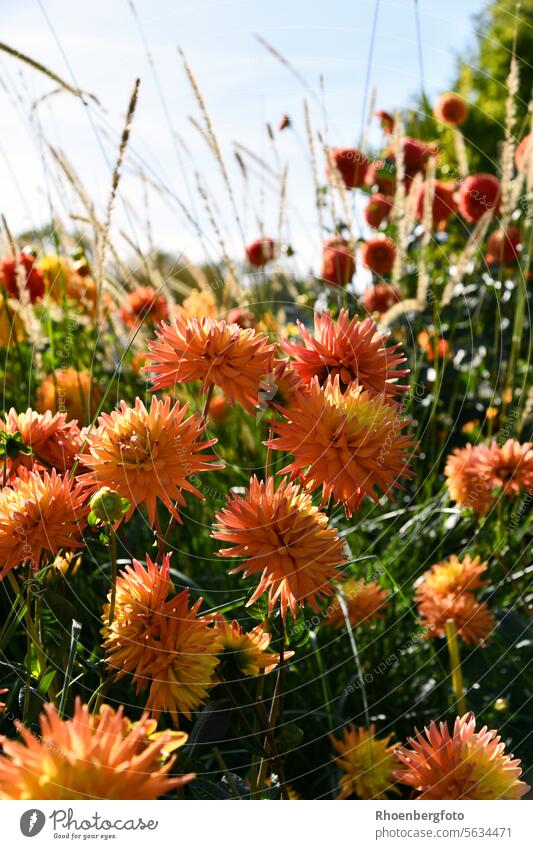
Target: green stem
{"points": [[113, 552], [74, 635], [102, 688], [455, 666], [28, 651], [207, 402]]}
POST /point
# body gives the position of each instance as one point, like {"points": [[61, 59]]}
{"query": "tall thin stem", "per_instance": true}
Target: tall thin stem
{"points": [[355, 652], [113, 552], [455, 666]]}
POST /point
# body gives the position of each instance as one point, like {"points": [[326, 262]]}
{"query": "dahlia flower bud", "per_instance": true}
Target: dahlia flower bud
{"points": [[260, 252], [106, 505], [338, 262], [351, 164], [451, 109]]}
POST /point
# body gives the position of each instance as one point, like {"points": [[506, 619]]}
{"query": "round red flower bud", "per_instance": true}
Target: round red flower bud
{"points": [[10, 275], [378, 255], [477, 195], [378, 209], [451, 109], [415, 155], [260, 252], [351, 164], [381, 297], [338, 262], [443, 204], [381, 173], [502, 247]]}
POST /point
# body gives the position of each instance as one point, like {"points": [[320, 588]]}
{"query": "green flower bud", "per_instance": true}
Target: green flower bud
{"points": [[106, 504]]}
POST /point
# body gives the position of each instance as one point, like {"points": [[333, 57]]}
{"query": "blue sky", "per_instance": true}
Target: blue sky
{"points": [[98, 46]]}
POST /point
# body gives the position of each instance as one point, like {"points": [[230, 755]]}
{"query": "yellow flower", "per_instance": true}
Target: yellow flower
{"points": [[200, 302], [367, 763], [247, 650]]}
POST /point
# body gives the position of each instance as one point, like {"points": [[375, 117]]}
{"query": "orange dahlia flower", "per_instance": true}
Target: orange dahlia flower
{"points": [[351, 349], [473, 620], [39, 513], [466, 764], [143, 305], [246, 651], [468, 477], [187, 657], [214, 352], [90, 757], [513, 469], [130, 641], [161, 642], [454, 576], [146, 455], [447, 592], [53, 441], [71, 392], [476, 473], [365, 601], [351, 445], [367, 763], [283, 537]]}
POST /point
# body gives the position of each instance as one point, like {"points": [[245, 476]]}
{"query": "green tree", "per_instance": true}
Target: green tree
{"points": [[482, 76]]}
